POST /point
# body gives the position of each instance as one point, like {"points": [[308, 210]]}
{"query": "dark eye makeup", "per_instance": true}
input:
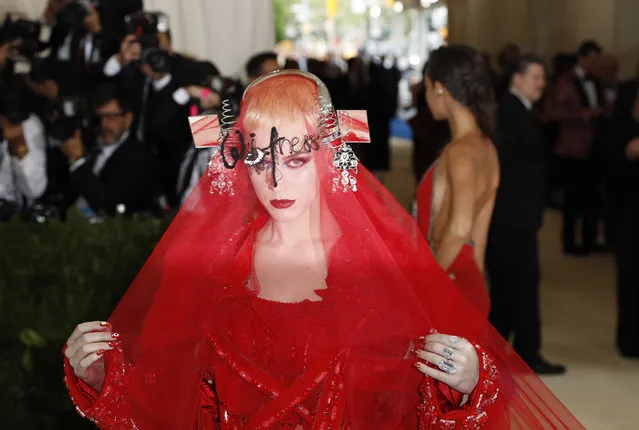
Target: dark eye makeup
{"points": [[296, 161]]}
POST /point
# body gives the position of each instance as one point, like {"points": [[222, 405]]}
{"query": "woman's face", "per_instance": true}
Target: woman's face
{"points": [[288, 186], [435, 99]]}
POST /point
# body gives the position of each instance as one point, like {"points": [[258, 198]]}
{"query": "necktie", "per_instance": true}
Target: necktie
{"points": [[145, 100]]}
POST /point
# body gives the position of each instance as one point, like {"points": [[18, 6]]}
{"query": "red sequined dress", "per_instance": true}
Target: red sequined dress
{"points": [[277, 365], [199, 349], [465, 271]]}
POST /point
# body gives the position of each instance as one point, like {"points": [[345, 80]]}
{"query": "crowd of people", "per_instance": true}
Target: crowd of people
{"points": [[566, 140], [101, 123]]}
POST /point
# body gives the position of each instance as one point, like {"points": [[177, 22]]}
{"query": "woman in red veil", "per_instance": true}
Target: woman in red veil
{"points": [[292, 291]]}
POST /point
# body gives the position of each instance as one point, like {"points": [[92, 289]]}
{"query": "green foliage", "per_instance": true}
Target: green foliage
{"points": [[52, 277], [282, 15]]}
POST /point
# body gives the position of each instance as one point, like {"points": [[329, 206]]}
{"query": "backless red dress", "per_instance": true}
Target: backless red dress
{"points": [[465, 271]]}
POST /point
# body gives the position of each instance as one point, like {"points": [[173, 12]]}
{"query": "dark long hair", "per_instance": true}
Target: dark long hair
{"points": [[465, 74]]}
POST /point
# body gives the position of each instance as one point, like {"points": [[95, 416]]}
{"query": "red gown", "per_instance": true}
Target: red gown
{"points": [[467, 274], [276, 365], [199, 350]]}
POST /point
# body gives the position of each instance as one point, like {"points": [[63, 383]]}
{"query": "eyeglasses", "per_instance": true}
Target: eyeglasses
{"points": [[109, 116]]}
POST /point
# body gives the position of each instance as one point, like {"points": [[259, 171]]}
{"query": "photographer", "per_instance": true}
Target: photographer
{"points": [[120, 176], [79, 46], [164, 86], [23, 169]]}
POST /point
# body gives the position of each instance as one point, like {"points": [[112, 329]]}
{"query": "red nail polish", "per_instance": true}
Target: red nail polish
{"points": [[114, 343], [115, 335], [417, 365], [100, 352], [104, 324]]}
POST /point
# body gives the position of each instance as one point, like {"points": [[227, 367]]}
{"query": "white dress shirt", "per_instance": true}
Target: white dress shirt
{"points": [[589, 86], [103, 156], [26, 177]]}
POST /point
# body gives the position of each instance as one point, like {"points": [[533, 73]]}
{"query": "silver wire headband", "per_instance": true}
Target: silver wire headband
{"points": [[328, 124]]}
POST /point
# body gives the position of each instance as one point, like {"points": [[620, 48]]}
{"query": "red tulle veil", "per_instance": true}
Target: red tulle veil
{"points": [[384, 291]]}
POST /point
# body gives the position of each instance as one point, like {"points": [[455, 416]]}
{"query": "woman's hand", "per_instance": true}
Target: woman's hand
{"points": [[85, 349], [455, 358]]}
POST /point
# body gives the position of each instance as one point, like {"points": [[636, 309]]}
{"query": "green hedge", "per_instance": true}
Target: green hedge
{"points": [[53, 276]]}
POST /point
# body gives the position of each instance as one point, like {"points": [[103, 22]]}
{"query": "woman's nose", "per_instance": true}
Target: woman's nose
{"points": [[271, 181]]}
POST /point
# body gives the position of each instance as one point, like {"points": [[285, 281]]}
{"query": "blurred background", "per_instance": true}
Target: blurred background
{"points": [[96, 155]]}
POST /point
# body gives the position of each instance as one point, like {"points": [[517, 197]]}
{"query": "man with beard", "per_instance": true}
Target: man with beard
{"points": [[120, 175]]}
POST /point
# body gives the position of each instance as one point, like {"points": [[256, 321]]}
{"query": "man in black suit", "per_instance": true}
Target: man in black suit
{"points": [[624, 165], [512, 256], [121, 177], [163, 86], [80, 42]]}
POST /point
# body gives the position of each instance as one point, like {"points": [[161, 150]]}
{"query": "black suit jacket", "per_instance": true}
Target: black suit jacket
{"points": [[521, 194], [165, 122], [581, 89], [624, 172], [128, 177], [76, 76]]}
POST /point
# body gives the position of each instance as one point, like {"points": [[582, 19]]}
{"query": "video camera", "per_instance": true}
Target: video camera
{"points": [[29, 41], [146, 26], [65, 116]]}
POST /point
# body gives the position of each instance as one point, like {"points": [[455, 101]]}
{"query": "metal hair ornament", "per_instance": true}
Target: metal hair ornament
{"points": [[336, 128]]}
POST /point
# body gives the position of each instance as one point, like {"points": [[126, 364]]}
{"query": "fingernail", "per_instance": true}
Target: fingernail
{"points": [[104, 324], [100, 352], [114, 343], [418, 365]]}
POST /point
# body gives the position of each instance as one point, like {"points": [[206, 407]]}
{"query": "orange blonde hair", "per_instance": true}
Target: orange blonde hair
{"points": [[280, 100]]}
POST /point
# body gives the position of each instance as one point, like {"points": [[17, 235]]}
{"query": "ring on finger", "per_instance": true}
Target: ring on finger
{"points": [[448, 353], [447, 366], [454, 340]]}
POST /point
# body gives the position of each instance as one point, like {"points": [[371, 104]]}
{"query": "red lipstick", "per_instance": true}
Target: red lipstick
{"points": [[282, 204]]}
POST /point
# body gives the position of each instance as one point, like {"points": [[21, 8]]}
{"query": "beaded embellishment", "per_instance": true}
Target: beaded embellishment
{"points": [[346, 162], [485, 395]]}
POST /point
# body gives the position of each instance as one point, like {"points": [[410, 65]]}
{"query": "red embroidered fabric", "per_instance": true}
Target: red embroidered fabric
{"points": [[200, 350]]}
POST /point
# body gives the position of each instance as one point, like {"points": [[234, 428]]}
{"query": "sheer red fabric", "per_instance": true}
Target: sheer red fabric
{"points": [[467, 275], [201, 350]]}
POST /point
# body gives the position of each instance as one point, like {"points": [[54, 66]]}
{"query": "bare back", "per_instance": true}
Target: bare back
{"points": [[466, 201]]}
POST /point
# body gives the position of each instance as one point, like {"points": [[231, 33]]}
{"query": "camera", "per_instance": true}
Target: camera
{"points": [[29, 40], [146, 26], [229, 90], [16, 28], [66, 115]]}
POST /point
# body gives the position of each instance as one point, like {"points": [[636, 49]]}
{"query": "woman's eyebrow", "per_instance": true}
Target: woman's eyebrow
{"points": [[297, 155]]}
